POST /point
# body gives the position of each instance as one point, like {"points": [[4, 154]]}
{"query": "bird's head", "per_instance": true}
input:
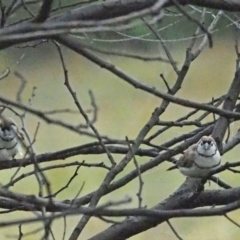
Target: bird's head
{"points": [[7, 124], [207, 146], [8, 128]]}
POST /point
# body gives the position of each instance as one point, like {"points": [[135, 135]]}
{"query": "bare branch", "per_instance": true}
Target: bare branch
{"points": [[44, 11]]}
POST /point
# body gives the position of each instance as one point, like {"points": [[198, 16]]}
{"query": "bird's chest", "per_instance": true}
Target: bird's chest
{"points": [[207, 162]]}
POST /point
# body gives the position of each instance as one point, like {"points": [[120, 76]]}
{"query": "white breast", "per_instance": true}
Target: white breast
{"points": [[4, 155], [9, 144], [206, 164]]}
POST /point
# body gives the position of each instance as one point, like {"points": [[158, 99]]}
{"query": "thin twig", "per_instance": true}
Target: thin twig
{"points": [[140, 189], [174, 230], [74, 96]]}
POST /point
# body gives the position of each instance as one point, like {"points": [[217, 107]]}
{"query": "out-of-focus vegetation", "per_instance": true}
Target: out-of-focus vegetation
{"points": [[123, 110]]}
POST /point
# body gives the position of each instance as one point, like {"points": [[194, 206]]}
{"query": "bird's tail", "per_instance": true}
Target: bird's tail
{"points": [[172, 168]]}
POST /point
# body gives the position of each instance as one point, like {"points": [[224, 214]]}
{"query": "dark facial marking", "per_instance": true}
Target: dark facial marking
{"points": [[6, 128]]}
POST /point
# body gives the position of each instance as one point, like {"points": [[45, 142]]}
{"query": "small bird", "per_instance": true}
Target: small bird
{"points": [[10, 139], [199, 159]]}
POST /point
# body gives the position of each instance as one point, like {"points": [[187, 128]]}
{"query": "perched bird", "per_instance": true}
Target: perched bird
{"points": [[10, 139], [199, 159]]}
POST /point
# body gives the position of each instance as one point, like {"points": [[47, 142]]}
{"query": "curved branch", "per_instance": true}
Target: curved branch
{"points": [[184, 199], [109, 10]]}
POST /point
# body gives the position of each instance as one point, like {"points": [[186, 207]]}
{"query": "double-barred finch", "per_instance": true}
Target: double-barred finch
{"points": [[199, 159], [10, 139]]}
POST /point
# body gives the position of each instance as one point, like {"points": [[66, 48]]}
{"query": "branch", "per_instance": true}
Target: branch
{"points": [[75, 45], [100, 11], [186, 198], [44, 11], [229, 104]]}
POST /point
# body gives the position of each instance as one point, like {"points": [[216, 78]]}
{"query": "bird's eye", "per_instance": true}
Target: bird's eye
{"points": [[201, 143], [211, 144], [5, 128]]}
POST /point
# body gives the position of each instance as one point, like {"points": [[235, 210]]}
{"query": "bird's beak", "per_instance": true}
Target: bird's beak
{"points": [[206, 146]]}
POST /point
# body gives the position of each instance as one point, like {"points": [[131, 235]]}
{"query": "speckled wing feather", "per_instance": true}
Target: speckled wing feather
{"points": [[187, 159]]}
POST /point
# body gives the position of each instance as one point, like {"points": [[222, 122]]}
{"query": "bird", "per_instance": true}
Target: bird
{"points": [[10, 139], [199, 159]]}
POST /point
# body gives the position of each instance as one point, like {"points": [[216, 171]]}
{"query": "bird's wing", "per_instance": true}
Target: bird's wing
{"points": [[187, 160], [172, 168]]}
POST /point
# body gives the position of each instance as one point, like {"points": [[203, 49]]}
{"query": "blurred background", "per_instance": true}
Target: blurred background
{"points": [[123, 111]]}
